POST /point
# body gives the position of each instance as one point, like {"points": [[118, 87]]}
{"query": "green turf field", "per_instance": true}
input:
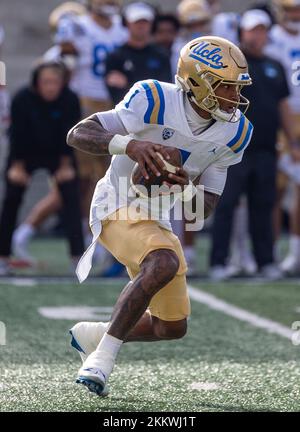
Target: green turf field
{"points": [[223, 364]]}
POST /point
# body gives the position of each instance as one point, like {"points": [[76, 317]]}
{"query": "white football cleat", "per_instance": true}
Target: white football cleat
{"points": [[249, 265], [218, 273], [86, 337], [290, 265], [20, 242], [95, 371], [271, 272]]}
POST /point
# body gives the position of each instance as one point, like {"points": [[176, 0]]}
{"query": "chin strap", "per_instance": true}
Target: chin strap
{"points": [[224, 116], [216, 114]]}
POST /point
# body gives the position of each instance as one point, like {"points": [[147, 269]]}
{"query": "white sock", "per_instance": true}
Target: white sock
{"points": [[295, 245], [110, 345], [24, 233]]}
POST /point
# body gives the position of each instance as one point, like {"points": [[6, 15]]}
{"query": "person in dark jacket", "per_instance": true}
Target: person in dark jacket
{"points": [[138, 59], [255, 176], [41, 115]]}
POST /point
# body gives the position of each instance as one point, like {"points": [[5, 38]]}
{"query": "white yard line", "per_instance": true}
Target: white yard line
{"points": [[206, 386], [241, 314]]}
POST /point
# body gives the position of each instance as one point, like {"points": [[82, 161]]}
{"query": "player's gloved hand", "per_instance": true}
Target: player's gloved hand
{"points": [[181, 178], [17, 174], [145, 154]]}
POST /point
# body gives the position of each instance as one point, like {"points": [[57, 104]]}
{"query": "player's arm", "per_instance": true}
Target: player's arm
{"points": [[91, 137], [201, 199]]}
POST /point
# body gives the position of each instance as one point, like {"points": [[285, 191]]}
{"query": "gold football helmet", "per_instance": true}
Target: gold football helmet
{"points": [[207, 62], [65, 9]]}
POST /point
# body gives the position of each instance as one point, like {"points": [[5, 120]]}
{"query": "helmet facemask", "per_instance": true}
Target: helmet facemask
{"points": [[202, 93]]}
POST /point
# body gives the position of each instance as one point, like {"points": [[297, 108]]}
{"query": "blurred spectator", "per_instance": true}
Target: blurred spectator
{"points": [[241, 260], [165, 31], [90, 38], [285, 46], [196, 19], [41, 116], [255, 175], [138, 59], [64, 16]]}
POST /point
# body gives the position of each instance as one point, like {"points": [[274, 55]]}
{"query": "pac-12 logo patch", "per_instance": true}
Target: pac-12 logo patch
{"points": [[168, 133]]}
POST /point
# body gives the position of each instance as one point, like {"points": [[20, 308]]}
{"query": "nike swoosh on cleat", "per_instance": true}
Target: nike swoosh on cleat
{"points": [[96, 372], [75, 344]]}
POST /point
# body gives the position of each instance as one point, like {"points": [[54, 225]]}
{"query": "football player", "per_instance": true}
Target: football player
{"points": [[200, 115]]}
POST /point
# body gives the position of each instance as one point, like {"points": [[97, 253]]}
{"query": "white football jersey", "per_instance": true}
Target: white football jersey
{"points": [[92, 43], [155, 111], [226, 25], [285, 48]]}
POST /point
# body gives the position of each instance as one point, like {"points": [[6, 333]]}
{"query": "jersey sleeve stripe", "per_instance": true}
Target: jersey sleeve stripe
{"points": [[156, 103], [239, 132], [151, 103], [237, 145], [155, 112], [162, 107], [246, 140]]}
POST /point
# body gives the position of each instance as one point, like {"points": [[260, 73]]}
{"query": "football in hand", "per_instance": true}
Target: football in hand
{"points": [[153, 187]]}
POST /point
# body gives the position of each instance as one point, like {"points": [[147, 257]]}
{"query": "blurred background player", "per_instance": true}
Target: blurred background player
{"points": [[41, 115], [166, 29], [138, 58], [255, 176], [285, 47], [195, 18], [64, 17]]}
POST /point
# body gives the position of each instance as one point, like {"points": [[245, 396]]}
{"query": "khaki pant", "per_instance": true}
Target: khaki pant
{"points": [[130, 241]]}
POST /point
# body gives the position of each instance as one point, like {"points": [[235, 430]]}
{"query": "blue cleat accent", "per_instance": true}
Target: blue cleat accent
{"points": [[92, 386], [75, 344]]}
